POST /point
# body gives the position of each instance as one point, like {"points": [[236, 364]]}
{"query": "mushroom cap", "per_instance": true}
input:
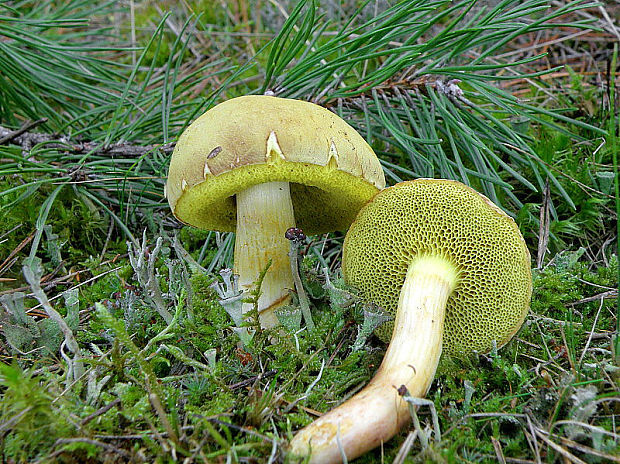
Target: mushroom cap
{"points": [[253, 139], [444, 218]]}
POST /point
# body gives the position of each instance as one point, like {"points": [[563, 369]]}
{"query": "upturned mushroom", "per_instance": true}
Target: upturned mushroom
{"points": [[454, 271], [258, 165]]}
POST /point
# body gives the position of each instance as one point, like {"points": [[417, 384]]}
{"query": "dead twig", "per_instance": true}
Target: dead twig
{"points": [[404, 450], [10, 260], [599, 296], [545, 221], [585, 348], [8, 136], [587, 450], [27, 140], [565, 453], [100, 411], [499, 453], [251, 380], [90, 441]]}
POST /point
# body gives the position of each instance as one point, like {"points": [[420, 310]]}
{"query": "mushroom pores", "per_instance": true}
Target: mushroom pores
{"points": [[447, 219]]}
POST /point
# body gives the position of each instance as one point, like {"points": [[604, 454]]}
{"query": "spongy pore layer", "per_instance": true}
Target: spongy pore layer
{"points": [[447, 219], [323, 199]]}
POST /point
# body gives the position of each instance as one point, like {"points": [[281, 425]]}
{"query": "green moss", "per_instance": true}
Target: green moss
{"points": [[37, 417], [506, 382], [203, 385], [570, 280], [75, 231], [205, 304]]}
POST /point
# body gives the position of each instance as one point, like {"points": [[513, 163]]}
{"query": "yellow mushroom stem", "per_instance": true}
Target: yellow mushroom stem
{"points": [[264, 213], [378, 412]]}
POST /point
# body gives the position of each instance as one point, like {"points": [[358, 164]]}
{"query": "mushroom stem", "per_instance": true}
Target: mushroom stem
{"points": [[264, 213], [378, 412]]}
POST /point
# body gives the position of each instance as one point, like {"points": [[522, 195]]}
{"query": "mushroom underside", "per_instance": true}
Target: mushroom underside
{"points": [[324, 200]]}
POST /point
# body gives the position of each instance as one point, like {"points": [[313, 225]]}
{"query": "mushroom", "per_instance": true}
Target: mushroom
{"points": [[454, 270], [258, 165]]}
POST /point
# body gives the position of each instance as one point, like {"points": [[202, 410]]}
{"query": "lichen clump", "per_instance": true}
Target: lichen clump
{"points": [[452, 221]]}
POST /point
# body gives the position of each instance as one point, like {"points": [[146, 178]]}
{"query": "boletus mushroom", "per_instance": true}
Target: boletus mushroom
{"points": [[259, 165], [454, 271]]}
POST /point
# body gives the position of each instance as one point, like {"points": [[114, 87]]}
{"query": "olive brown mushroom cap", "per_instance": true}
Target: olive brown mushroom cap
{"points": [[250, 140], [450, 220]]}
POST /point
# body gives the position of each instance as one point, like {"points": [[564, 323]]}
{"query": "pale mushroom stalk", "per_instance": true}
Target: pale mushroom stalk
{"points": [[264, 213], [455, 272], [378, 412]]}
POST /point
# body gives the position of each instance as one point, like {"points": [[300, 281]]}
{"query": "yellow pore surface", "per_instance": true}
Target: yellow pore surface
{"points": [[324, 199], [432, 217]]}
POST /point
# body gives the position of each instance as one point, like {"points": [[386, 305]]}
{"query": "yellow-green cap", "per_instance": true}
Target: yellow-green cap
{"points": [[447, 219], [249, 140]]}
